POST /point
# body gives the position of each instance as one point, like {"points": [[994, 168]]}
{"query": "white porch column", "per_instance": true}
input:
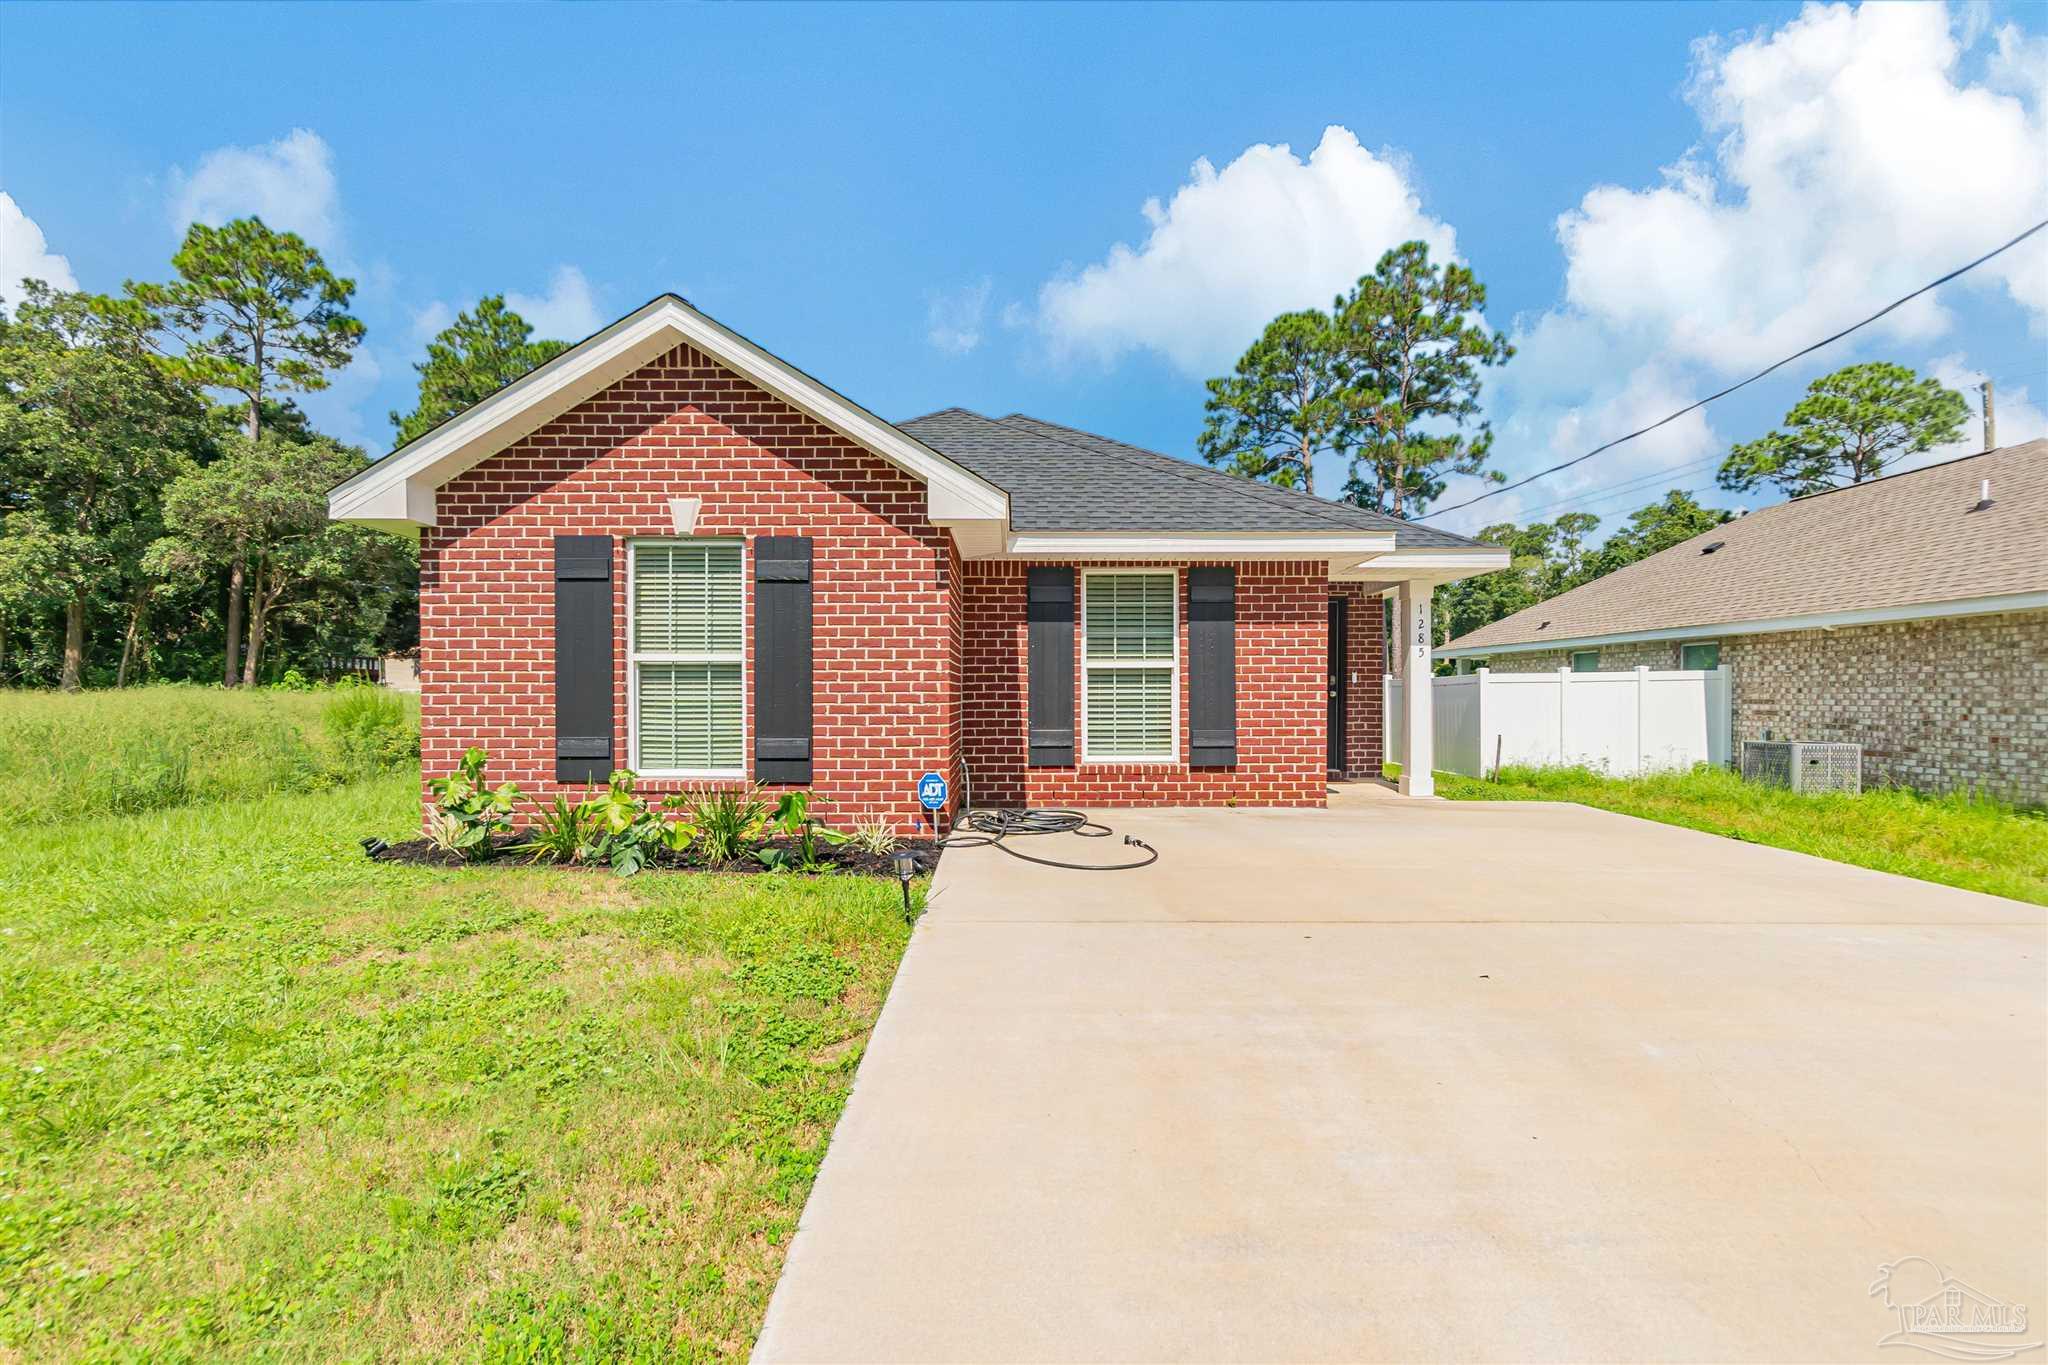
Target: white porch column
{"points": [[1418, 695]]}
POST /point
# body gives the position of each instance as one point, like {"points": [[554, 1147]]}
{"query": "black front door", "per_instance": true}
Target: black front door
{"points": [[1340, 630]]}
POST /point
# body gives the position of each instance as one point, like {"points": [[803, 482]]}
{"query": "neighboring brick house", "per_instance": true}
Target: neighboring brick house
{"points": [[670, 551], [1908, 614]]}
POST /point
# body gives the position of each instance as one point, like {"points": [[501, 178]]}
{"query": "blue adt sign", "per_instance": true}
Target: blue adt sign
{"points": [[931, 791]]}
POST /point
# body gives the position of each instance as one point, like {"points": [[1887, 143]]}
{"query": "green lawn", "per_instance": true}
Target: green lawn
{"points": [[153, 748], [261, 1096], [1976, 844]]}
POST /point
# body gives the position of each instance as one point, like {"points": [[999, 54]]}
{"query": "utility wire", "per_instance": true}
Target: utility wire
{"points": [[1696, 406]]}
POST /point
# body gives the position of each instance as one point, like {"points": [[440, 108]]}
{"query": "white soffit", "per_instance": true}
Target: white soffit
{"points": [[397, 492]]}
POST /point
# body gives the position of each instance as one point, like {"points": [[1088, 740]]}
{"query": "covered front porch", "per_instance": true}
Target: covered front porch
{"points": [[1377, 628]]}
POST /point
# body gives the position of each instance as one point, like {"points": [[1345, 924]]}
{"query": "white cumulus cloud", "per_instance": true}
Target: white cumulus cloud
{"points": [[26, 254], [1844, 160], [1268, 233], [954, 318], [289, 184], [567, 311]]}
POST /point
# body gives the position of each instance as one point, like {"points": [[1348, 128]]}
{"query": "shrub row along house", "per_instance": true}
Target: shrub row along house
{"points": [[1908, 614], [670, 551]]}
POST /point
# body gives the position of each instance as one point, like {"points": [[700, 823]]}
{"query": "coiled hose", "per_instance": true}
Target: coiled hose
{"points": [[988, 827]]}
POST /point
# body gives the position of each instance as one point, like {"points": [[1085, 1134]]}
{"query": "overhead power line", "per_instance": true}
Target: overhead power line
{"points": [[1894, 305]]}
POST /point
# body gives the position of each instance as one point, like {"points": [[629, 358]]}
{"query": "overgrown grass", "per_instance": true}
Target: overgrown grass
{"points": [[63, 757], [261, 1096], [1959, 840]]}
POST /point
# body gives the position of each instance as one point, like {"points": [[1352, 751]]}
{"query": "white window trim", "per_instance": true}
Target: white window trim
{"points": [[1684, 645], [635, 657], [1172, 755]]}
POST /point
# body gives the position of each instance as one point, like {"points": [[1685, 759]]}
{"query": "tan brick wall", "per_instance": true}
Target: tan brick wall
{"points": [[1937, 705]]}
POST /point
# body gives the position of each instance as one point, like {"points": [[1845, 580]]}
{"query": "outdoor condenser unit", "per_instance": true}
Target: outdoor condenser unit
{"points": [[1803, 767]]}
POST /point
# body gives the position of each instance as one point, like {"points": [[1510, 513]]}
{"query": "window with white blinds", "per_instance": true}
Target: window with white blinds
{"points": [[1129, 662], [687, 651]]}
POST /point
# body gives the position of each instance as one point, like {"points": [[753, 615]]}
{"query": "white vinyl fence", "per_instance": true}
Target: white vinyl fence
{"points": [[1625, 724]]}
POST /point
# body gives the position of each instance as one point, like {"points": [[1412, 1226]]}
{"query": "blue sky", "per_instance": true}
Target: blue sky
{"points": [[927, 206]]}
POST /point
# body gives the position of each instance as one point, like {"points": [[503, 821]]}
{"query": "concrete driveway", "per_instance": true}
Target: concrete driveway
{"points": [[1430, 1081]]}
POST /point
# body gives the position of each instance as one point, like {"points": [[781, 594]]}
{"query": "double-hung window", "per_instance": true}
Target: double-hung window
{"points": [[1129, 659], [687, 654]]}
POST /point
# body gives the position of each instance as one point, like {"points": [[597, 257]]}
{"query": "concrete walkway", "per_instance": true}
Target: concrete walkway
{"points": [[1429, 1080]]}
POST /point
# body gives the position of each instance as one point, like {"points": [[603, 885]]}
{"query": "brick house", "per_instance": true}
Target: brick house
{"points": [[1908, 614], [668, 550]]}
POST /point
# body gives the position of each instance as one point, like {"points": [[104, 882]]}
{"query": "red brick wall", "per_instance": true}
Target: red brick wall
{"points": [[1282, 616], [1366, 666], [886, 625]]}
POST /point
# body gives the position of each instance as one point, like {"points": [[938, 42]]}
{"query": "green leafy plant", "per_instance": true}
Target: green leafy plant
{"points": [[874, 837], [625, 831], [804, 831], [467, 813], [560, 833], [727, 820]]}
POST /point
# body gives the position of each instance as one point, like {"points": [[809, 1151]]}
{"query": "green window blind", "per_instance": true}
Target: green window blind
{"points": [[1129, 650], [688, 603]]}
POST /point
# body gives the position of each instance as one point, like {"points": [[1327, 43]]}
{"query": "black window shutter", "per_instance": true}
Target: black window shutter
{"points": [[1049, 664], [583, 658], [782, 659], [1212, 668]]}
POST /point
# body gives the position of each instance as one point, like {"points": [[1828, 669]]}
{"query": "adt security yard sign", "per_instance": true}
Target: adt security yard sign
{"points": [[931, 791]]}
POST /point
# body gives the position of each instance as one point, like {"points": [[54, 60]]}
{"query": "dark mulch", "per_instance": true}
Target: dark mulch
{"points": [[844, 858]]}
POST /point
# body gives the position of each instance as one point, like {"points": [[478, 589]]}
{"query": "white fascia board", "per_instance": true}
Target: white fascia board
{"points": [[1437, 566], [410, 475], [1349, 546], [1828, 620]]}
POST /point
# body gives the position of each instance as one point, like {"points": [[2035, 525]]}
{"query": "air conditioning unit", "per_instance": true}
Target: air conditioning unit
{"points": [[1803, 767]]}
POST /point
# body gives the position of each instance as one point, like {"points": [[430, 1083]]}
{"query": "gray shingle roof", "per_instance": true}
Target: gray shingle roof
{"points": [[1062, 479], [1899, 541]]}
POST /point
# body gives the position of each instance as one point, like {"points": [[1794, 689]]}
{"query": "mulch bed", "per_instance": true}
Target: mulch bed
{"points": [[844, 858]]}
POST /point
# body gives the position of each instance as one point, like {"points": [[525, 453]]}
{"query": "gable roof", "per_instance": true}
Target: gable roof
{"points": [[1017, 487], [1903, 546], [398, 491], [1063, 479]]}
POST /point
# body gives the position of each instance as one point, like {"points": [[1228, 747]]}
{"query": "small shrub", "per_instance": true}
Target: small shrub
{"points": [[624, 830], [559, 834], [793, 821], [727, 821], [370, 728], [468, 813], [874, 838]]}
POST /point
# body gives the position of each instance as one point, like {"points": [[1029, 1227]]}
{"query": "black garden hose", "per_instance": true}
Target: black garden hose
{"points": [[988, 827]]}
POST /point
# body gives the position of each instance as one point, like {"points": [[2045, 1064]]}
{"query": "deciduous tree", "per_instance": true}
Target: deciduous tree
{"points": [[264, 504], [91, 433], [1849, 427]]}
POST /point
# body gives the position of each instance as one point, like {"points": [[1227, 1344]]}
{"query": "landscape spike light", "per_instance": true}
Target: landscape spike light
{"points": [[905, 863]]}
